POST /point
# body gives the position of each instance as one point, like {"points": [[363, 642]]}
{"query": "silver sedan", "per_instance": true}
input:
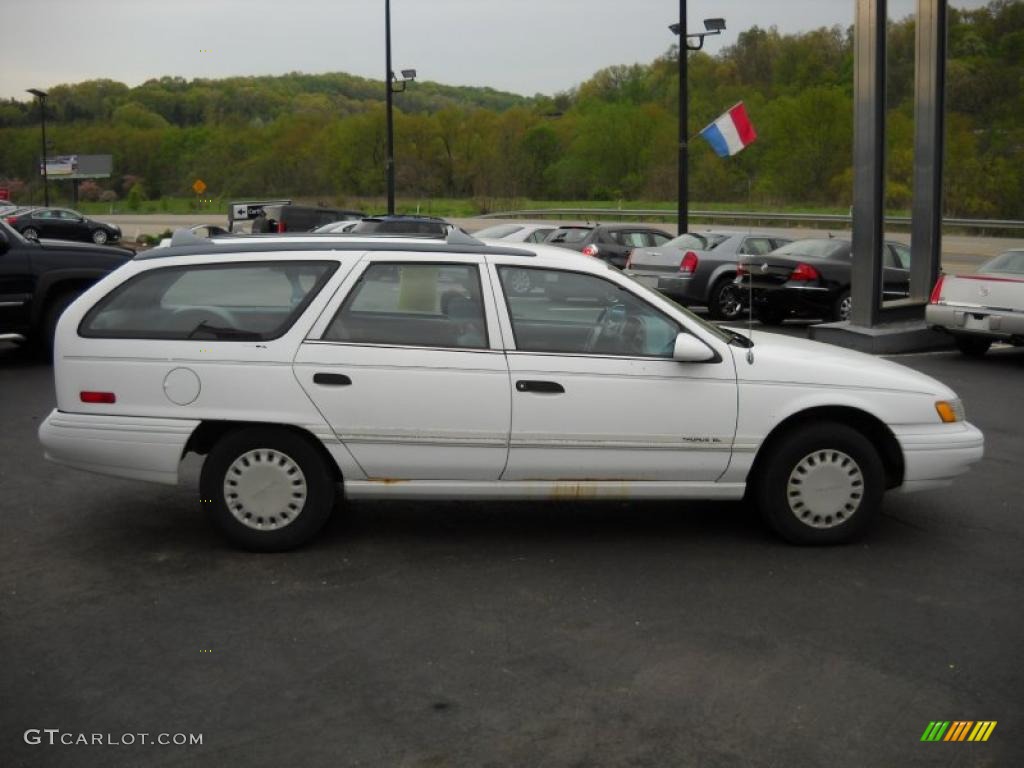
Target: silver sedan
{"points": [[698, 268]]}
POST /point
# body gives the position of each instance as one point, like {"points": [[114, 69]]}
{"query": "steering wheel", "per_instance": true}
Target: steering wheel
{"points": [[202, 314], [606, 322]]}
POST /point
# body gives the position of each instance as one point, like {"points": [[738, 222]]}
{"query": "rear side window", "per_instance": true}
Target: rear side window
{"points": [[568, 235], [228, 302], [420, 305]]}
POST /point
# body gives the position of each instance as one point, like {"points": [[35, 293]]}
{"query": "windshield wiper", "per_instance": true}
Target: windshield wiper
{"points": [[224, 333]]}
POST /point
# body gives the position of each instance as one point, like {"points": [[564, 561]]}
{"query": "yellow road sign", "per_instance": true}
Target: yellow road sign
{"points": [[199, 187]]}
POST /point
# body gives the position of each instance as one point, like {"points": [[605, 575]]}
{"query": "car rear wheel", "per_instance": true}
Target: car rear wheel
{"points": [[30, 233], [972, 346], [725, 302], [99, 237], [842, 307], [268, 488], [822, 484]]}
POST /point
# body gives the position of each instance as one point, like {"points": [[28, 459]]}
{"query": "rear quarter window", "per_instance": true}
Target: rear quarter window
{"points": [[228, 302]]}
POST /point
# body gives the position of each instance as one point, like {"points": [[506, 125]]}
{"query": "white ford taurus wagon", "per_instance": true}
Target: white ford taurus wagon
{"points": [[304, 368]]}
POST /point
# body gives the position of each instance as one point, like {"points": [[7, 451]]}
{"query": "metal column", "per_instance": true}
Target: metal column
{"points": [[682, 182], [868, 159], [929, 103]]}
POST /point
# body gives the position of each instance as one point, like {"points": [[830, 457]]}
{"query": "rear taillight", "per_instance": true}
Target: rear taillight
{"points": [[281, 227], [937, 291], [98, 397], [11, 220], [741, 269], [589, 250], [689, 262], [804, 273]]}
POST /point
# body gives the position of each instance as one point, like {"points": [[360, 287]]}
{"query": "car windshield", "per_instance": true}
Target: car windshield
{"points": [[821, 249], [498, 231], [695, 242], [1011, 262], [13, 235], [568, 235]]}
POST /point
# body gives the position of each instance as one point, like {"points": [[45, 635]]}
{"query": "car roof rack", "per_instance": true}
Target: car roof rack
{"points": [[185, 243]]}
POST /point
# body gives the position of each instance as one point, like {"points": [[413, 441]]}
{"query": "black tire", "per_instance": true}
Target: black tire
{"points": [[973, 346], [100, 237], [725, 301], [770, 316], [270, 453], [842, 307], [828, 453], [51, 315], [30, 233]]}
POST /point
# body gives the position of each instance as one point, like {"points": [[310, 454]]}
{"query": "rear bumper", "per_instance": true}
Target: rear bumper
{"points": [[976, 321], [934, 454], [682, 289], [123, 446]]}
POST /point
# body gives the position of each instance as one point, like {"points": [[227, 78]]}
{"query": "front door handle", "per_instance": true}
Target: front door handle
{"points": [[547, 387], [332, 379]]}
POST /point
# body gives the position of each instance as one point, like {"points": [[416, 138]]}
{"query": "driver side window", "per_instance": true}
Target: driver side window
{"points": [[584, 314]]}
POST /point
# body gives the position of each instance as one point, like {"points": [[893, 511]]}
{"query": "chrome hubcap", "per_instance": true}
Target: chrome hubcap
{"points": [[519, 281], [265, 489], [844, 308], [825, 489]]}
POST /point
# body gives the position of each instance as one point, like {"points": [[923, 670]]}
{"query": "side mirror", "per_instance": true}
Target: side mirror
{"points": [[690, 349]]}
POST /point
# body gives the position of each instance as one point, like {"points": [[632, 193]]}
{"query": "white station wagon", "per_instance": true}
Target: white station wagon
{"points": [[306, 367]]}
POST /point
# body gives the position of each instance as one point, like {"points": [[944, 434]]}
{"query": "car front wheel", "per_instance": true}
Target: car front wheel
{"points": [[30, 233], [268, 488], [822, 484], [99, 237]]}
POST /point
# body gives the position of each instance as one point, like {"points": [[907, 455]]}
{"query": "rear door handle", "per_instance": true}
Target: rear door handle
{"points": [[332, 379], [547, 387]]}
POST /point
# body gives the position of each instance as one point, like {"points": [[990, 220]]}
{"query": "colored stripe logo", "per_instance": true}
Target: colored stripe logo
{"points": [[958, 730]]}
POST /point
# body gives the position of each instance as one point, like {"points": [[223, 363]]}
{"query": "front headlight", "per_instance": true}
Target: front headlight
{"points": [[950, 410]]}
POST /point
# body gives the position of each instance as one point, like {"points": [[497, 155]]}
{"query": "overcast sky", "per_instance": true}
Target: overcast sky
{"points": [[525, 46]]}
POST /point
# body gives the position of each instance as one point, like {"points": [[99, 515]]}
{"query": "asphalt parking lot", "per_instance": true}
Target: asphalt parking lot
{"points": [[557, 634]]}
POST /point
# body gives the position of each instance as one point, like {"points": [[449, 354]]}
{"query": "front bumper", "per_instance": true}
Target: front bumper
{"points": [[934, 454], [976, 321], [135, 447]]}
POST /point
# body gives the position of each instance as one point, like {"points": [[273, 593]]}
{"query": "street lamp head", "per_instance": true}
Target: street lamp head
{"points": [[409, 74], [714, 25], [37, 92], [674, 28]]}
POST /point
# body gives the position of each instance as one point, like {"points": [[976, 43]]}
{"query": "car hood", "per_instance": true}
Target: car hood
{"points": [[787, 359]]}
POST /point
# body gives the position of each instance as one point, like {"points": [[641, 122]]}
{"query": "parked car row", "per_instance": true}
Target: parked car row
{"points": [[398, 367]]}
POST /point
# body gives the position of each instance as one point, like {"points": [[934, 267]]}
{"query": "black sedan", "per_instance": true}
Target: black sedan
{"points": [[609, 242], [811, 278], [63, 224]]}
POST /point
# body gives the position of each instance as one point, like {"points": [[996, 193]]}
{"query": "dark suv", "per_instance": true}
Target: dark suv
{"points": [[608, 242], [39, 280]]}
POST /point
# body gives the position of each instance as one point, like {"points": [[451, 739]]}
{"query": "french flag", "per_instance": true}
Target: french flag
{"points": [[731, 132]]}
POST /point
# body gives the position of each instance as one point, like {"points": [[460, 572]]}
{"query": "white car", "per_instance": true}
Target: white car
{"points": [[517, 232], [984, 307], [404, 368]]}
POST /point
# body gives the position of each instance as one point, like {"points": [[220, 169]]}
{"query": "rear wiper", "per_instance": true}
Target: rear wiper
{"points": [[224, 333]]}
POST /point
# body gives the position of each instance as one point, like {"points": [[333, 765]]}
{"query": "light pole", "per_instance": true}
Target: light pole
{"points": [[711, 27], [41, 95], [392, 85]]}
